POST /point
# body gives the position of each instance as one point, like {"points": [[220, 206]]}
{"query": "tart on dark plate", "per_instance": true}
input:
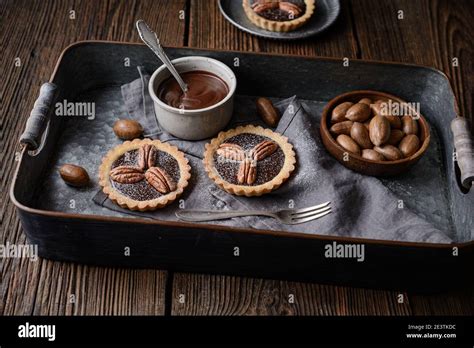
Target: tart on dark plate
{"points": [[279, 16], [249, 161], [144, 174]]}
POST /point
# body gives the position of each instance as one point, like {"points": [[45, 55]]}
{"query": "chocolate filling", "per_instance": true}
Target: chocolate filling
{"points": [[142, 191], [267, 168], [277, 14], [204, 89]]}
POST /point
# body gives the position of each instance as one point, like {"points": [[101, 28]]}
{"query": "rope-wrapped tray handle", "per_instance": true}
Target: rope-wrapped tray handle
{"points": [[464, 150], [39, 116]]}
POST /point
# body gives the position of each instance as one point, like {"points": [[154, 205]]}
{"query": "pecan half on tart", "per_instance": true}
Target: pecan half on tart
{"points": [[144, 174], [249, 161], [279, 16]]}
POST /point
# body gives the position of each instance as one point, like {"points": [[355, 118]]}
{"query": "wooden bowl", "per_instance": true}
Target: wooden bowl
{"points": [[356, 162]]}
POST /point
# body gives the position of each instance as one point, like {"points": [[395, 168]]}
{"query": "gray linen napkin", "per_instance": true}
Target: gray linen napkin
{"points": [[362, 206]]}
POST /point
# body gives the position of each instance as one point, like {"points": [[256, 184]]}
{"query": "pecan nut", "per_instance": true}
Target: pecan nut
{"points": [[160, 180], [126, 174], [260, 6], [231, 152], [293, 9], [263, 150], [146, 156], [247, 173]]}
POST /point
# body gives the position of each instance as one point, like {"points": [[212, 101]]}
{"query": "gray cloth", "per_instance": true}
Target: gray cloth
{"points": [[362, 206], [139, 104]]}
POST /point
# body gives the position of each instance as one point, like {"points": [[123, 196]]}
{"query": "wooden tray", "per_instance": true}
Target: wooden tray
{"points": [[90, 234]]}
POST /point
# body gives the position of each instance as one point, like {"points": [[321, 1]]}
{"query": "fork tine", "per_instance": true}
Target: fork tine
{"points": [[309, 218], [304, 210], [298, 215]]}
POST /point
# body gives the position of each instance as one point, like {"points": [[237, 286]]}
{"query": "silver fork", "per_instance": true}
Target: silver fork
{"points": [[287, 216]]}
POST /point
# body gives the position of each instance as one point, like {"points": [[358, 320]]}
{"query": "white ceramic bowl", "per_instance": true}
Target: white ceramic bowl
{"points": [[199, 123]]}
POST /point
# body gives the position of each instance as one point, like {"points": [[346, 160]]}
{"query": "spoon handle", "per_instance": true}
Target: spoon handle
{"points": [[150, 38]]}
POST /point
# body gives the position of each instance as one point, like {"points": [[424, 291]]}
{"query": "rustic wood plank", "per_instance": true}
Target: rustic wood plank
{"points": [[453, 35], [198, 294], [57, 288], [65, 289], [459, 302], [37, 32], [19, 279], [383, 35]]}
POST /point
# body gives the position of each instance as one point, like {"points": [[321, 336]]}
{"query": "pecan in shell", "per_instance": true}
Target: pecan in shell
{"points": [[160, 180], [126, 174]]}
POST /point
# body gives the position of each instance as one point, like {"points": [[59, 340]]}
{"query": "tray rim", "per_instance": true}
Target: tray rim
{"points": [[219, 228]]}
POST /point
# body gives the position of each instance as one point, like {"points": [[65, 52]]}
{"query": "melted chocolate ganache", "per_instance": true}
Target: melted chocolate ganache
{"points": [[204, 89]]}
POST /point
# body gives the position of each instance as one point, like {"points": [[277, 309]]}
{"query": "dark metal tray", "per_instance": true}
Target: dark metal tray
{"points": [[86, 233]]}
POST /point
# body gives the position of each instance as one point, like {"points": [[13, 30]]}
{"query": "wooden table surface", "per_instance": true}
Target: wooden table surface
{"points": [[431, 33]]}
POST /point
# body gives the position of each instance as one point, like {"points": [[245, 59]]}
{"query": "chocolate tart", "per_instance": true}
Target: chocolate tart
{"points": [[279, 16], [249, 161], [144, 174]]}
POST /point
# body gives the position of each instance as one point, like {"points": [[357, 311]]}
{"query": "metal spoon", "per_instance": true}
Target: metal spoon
{"points": [[149, 37]]}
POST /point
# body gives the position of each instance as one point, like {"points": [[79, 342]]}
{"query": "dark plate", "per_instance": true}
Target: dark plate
{"points": [[325, 14]]}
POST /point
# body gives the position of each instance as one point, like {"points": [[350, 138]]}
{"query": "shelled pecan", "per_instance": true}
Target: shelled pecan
{"points": [[260, 6], [231, 152], [263, 150], [247, 173], [160, 180], [146, 156], [290, 7], [126, 174]]}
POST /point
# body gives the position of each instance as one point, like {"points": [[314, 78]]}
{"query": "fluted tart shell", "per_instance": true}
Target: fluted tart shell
{"points": [[242, 189], [143, 205]]}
